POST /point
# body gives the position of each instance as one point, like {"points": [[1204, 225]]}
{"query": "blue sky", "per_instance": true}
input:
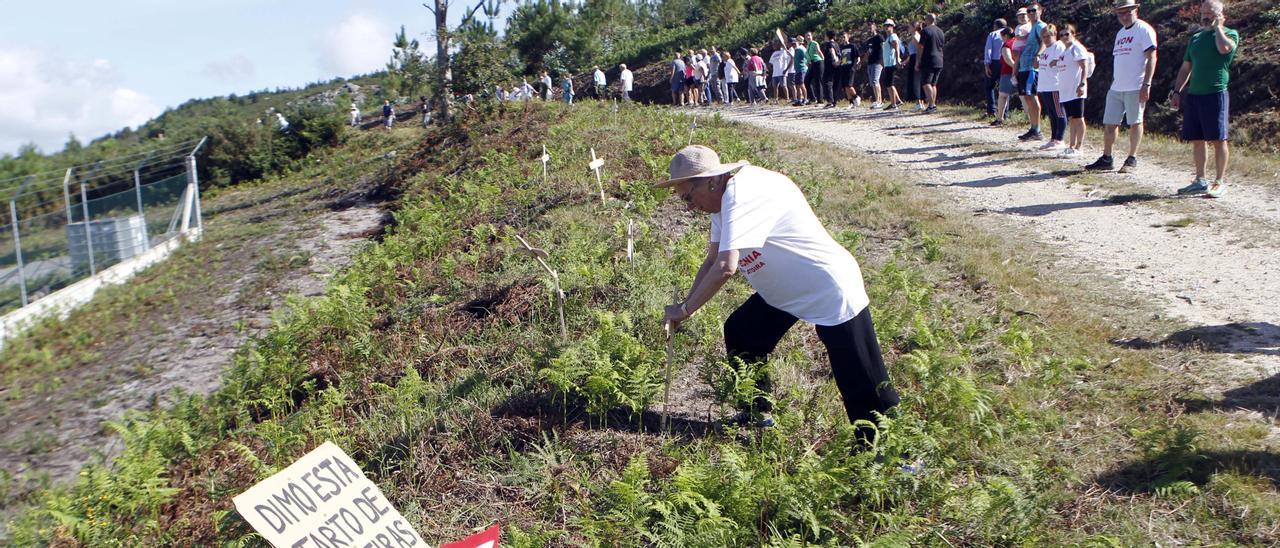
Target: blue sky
{"points": [[92, 67]]}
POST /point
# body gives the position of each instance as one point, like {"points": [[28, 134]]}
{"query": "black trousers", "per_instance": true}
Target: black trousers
{"points": [[754, 329], [813, 80]]}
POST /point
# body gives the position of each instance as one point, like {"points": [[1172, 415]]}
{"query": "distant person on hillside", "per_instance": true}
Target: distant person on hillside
{"points": [[388, 114], [762, 225], [528, 90], [891, 55], [849, 69], [800, 72], [1048, 88], [830, 60], [1026, 78], [566, 87], [991, 63], [600, 88], [729, 87], [282, 122], [1134, 56], [677, 81], [424, 105], [932, 42], [355, 115], [546, 86], [696, 79], [1007, 90], [626, 81], [781, 62], [873, 50], [1075, 63], [1205, 106]]}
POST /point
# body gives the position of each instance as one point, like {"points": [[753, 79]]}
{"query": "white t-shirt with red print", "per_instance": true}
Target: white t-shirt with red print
{"points": [[784, 251], [1130, 53]]}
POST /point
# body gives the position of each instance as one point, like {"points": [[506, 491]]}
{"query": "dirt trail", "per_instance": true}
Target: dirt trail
{"points": [[1220, 273]]}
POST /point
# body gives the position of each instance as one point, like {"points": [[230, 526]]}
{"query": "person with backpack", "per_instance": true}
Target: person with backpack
{"points": [[1201, 91], [1075, 65], [1134, 56]]}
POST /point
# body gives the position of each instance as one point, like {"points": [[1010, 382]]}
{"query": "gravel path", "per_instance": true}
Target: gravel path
{"points": [[1221, 273]]}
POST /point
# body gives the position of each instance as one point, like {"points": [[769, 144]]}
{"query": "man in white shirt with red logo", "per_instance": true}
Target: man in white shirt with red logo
{"points": [[762, 225], [1135, 66]]}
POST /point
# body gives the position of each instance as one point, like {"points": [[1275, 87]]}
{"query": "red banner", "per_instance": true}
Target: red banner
{"points": [[484, 539]]}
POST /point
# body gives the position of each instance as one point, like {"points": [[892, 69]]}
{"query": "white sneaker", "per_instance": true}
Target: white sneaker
{"points": [[877, 105], [1069, 153], [857, 101], [920, 108], [1050, 145]]}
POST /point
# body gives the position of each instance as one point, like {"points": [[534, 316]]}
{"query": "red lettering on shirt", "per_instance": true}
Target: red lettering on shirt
{"points": [[746, 260]]}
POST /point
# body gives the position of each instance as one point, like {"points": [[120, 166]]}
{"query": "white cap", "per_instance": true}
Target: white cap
{"points": [[889, 23]]}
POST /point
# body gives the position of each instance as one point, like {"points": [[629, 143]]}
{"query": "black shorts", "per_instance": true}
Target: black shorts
{"points": [[886, 75], [1074, 108], [689, 82], [844, 76], [929, 75]]}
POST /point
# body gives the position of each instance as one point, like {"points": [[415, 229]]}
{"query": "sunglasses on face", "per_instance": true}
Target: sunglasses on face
{"points": [[1032, 10], [1064, 34]]}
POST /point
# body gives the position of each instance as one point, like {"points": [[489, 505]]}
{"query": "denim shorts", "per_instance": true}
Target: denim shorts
{"points": [[873, 73], [1006, 85], [1204, 117]]}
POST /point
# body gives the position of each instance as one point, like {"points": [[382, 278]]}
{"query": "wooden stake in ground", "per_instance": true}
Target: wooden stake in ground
{"points": [[595, 165], [692, 127], [544, 158], [541, 256], [631, 239], [671, 359]]}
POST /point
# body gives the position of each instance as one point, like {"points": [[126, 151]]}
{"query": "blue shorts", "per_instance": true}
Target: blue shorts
{"points": [[1027, 81], [776, 81], [1006, 85], [1204, 117], [795, 78], [677, 84]]}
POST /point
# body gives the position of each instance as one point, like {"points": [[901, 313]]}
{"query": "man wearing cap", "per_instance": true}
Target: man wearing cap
{"points": [[1026, 77], [1135, 66], [762, 225]]}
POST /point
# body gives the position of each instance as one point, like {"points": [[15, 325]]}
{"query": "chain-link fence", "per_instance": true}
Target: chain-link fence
{"points": [[59, 228]]}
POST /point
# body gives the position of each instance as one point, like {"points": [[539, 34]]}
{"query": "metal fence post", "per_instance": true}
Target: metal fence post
{"points": [[88, 235], [193, 182], [17, 243], [137, 189]]}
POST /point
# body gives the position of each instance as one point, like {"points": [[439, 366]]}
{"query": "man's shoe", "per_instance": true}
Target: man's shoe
{"points": [[877, 105], [931, 108], [1130, 165], [1216, 189], [1198, 186], [994, 123], [857, 101], [1103, 163], [1030, 135]]}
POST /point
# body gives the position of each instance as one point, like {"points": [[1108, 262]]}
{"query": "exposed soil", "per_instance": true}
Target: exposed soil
{"points": [[1220, 273]]}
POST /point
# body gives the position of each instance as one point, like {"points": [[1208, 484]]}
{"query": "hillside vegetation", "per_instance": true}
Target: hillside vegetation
{"points": [[437, 361]]}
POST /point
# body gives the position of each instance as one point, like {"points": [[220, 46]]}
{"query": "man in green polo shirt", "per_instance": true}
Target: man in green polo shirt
{"points": [[1205, 106]]}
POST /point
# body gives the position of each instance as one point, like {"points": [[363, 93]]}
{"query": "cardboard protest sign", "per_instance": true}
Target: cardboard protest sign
{"points": [[484, 539], [324, 500]]}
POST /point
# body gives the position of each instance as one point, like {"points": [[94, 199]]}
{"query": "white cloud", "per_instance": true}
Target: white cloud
{"points": [[358, 44], [42, 100], [235, 70]]}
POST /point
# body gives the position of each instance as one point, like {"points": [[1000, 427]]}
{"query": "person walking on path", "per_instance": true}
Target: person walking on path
{"points": [[546, 86], [1025, 76], [849, 69], [1048, 86], [1200, 90], [601, 84], [762, 225], [932, 41], [1075, 63], [388, 114], [891, 52], [991, 64], [875, 63], [355, 115], [1134, 55], [1007, 90], [677, 81], [780, 61], [625, 81]]}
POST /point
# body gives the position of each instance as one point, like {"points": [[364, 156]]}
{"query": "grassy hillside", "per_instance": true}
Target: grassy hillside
{"points": [[437, 362]]}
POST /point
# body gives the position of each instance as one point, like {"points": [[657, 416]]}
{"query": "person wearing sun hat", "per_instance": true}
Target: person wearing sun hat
{"points": [[762, 226], [1133, 72]]}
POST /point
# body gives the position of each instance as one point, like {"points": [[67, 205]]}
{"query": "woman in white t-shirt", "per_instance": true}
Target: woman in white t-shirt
{"points": [[762, 225], [1047, 86], [1073, 86], [729, 84]]}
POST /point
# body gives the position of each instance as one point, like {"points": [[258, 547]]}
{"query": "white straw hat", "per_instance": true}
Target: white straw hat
{"points": [[696, 161]]}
